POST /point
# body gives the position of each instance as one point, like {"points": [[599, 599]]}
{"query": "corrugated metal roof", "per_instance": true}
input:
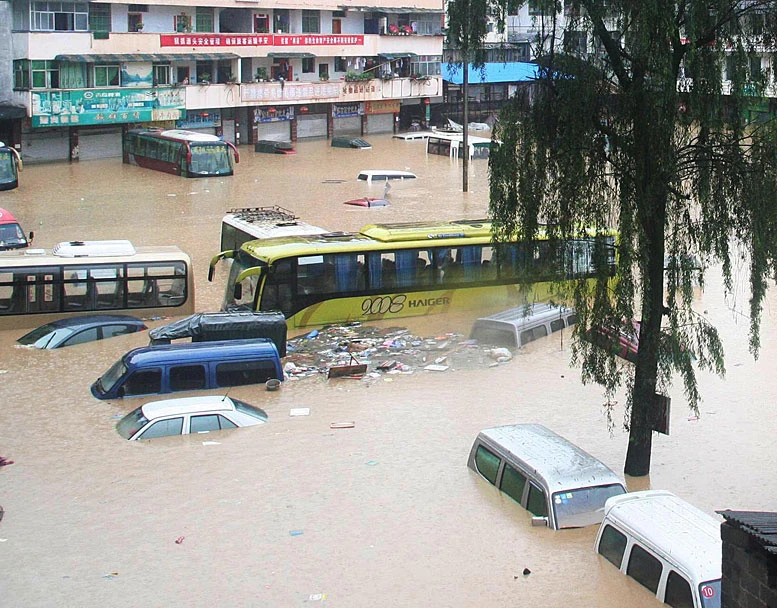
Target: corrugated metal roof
{"points": [[761, 525], [392, 10], [143, 57]]}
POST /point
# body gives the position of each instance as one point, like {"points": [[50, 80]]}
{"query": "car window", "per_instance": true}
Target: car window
{"points": [[612, 544], [163, 428], [678, 591], [187, 377], [536, 503], [644, 568], [487, 463], [144, 382], [88, 335], [209, 422], [513, 483], [110, 331], [245, 372]]}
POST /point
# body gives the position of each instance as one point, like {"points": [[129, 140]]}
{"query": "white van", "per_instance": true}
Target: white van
{"points": [[518, 326], [665, 544], [560, 484]]}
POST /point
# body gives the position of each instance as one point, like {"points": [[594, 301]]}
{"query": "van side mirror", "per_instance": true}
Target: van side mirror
{"points": [[238, 291], [32, 236], [539, 520]]}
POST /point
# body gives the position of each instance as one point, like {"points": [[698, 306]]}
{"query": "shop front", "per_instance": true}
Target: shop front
{"points": [[273, 123]]}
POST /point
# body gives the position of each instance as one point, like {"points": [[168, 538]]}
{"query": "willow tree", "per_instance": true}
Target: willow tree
{"points": [[641, 121]]}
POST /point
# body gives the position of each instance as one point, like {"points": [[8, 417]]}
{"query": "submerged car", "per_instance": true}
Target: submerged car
{"points": [[188, 415], [77, 330]]}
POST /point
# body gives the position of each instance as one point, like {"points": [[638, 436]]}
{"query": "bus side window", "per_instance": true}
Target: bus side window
{"points": [[406, 267], [488, 267]]}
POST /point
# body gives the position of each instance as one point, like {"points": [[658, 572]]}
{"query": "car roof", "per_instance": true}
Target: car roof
{"points": [[660, 518], [186, 405], [91, 320], [199, 350], [562, 464]]}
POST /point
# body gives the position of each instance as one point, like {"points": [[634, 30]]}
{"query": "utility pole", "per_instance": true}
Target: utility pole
{"points": [[465, 87]]}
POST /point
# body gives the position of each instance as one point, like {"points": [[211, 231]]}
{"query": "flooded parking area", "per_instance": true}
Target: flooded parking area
{"points": [[365, 499]]}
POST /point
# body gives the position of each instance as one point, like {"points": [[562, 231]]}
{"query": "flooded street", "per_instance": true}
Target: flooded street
{"points": [[294, 512]]}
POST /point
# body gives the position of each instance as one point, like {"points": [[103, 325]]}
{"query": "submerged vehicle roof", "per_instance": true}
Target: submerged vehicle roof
{"points": [[562, 464], [6, 217], [667, 521], [198, 350]]}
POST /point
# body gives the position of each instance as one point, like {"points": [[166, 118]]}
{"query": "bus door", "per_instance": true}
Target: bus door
{"points": [[37, 289], [279, 288]]}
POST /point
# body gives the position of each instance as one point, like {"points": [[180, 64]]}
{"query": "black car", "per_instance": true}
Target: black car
{"points": [[77, 330]]}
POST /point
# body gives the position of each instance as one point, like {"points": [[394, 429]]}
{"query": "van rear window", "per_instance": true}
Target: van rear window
{"points": [[244, 372]]}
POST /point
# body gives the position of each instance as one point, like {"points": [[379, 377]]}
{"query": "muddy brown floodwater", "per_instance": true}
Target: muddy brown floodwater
{"points": [[293, 512]]}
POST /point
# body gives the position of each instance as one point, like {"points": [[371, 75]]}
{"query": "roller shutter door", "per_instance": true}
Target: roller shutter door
{"points": [[99, 143], [380, 123], [46, 145], [313, 125], [349, 125], [274, 131]]}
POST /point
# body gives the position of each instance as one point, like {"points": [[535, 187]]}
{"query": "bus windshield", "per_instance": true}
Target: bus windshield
{"points": [[241, 262], [7, 166], [12, 236], [209, 159]]}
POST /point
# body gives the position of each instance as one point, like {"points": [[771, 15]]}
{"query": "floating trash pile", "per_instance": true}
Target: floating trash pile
{"points": [[371, 352]]}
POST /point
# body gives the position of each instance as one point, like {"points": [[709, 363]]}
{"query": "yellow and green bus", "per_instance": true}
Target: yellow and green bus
{"points": [[402, 270]]}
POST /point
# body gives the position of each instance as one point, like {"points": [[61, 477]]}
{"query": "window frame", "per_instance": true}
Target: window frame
{"points": [[311, 21]]}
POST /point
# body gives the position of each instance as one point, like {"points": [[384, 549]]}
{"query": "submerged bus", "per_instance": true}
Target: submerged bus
{"points": [[452, 145], [401, 270], [79, 277], [250, 223], [184, 153], [10, 165]]}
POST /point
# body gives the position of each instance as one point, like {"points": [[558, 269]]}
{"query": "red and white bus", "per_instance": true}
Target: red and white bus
{"points": [[10, 165], [11, 234], [184, 153]]}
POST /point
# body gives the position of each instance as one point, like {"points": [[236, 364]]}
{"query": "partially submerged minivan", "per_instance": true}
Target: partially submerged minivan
{"points": [[560, 484], [169, 368], [11, 234], [516, 327], [666, 544]]}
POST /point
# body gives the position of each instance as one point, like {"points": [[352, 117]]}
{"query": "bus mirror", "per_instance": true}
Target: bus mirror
{"points": [[238, 291], [210, 274], [32, 236]]}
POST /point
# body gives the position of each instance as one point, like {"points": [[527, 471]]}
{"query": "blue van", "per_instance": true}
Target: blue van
{"points": [[170, 368]]}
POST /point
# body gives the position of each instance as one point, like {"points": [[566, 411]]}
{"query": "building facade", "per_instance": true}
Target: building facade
{"points": [[82, 72]]}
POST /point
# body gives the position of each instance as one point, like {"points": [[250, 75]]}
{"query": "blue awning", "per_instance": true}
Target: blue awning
{"points": [[492, 73]]}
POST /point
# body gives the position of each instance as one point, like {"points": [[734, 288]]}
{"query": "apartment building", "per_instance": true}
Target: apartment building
{"points": [[78, 73]]}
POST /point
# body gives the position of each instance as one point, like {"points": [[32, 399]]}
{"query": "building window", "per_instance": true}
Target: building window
{"points": [[426, 65], [311, 22], [45, 74], [323, 71], [59, 16], [308, 65], [21, 74], [204, 19], [99, 17], [106, 75], [137, 8], [162, 73], [281, 21], [341, 64], [426, 24], [182, 23], [262, 23]]}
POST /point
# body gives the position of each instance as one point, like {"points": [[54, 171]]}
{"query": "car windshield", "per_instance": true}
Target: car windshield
{"points": [[584, 506], [131, 423], [107, 381], [42, 336], [709, 592], [11, 235], [250, 410]]}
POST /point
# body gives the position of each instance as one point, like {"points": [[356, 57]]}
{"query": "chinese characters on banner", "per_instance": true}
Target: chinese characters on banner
{"points": [[211, 40]]}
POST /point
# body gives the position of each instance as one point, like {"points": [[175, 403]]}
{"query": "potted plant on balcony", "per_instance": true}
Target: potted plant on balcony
{"points": [[261, 74], [231, 79], [204, 78], [139, 26]]}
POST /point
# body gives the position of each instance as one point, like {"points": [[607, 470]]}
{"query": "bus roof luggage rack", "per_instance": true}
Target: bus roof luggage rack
{"points": [[265, 215], [79, 249]]}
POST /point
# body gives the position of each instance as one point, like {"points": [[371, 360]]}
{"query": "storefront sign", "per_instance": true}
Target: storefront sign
{"points": [[273, 91], [106, 106], [288, 40], [273, 114], [388, 106], [343, 110], [199, 119]]}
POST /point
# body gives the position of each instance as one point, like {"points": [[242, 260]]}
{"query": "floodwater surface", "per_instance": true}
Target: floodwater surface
{"points": [[295, 512]]}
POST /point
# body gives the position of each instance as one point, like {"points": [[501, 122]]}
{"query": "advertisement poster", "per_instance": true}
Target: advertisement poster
{"points": [[106, 106]]}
